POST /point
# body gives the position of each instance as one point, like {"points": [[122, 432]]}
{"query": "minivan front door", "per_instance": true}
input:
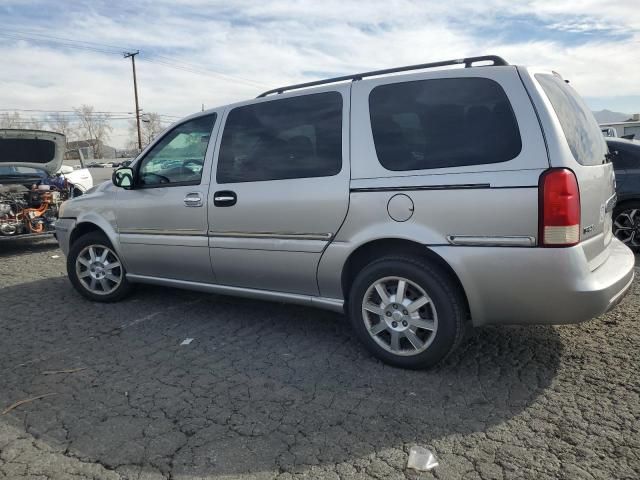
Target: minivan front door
{"points": [[279, 190], [162, 221]]}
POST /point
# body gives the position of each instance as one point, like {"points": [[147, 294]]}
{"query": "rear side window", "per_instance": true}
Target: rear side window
{"points": [[578, 124], [451, 122], [298, 137]]}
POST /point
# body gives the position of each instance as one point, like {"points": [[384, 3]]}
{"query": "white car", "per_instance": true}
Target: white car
{"points": [[34, 183], [80, 178]]}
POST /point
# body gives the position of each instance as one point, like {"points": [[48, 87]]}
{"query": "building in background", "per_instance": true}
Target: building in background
{"points": [[626, 128], [89, 150]]}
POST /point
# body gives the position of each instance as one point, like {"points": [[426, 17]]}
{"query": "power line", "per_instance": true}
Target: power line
{"points": [[66, 44], [174, 63], [72, 113], [52, 111], [116, 50], [15, 31]]}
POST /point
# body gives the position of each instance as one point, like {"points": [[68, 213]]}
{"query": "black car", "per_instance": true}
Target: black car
{"points": [[625, 155]]}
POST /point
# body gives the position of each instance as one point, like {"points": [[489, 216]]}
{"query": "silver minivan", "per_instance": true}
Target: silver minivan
{"points": [[420, 201]]}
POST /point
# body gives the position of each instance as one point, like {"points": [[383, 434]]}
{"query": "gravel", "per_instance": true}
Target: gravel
{"points": [[277, 391]]}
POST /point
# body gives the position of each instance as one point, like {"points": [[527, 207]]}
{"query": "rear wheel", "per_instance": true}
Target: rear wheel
{"points": [[407, 312], [95, 269], [626, 224]]}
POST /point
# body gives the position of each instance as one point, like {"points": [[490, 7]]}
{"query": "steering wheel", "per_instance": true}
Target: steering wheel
{"points": [[194, 161], [161, 178]]}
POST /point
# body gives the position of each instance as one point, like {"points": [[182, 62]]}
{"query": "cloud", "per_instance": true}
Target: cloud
{"points": [[249, 46]]}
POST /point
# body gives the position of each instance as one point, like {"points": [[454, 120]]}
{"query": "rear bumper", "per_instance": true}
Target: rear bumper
{"points": [[539, 285]]}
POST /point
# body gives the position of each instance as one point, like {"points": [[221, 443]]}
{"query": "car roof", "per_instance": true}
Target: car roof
{"points": [[623, 141]]}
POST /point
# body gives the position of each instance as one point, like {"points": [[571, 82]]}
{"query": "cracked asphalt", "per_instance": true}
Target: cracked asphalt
{"points": [[270, 391]]}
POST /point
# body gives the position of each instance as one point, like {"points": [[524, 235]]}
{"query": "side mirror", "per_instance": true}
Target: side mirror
{"points": [[123, 178], [66, 169]]}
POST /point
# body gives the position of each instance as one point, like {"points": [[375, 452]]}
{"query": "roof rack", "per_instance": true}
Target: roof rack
{"points": [[468, 62]]}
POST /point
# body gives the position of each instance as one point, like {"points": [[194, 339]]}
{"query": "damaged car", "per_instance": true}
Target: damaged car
{"points": [[34, 183]]}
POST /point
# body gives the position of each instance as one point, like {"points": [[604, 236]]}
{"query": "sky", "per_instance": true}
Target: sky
{"points": [[60, 54]]}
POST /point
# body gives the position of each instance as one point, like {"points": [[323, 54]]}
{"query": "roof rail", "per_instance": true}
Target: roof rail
{"points": [[468, 62]]}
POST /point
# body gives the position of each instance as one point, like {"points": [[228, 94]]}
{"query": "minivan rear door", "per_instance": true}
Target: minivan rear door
{"points": [[575, 141]]}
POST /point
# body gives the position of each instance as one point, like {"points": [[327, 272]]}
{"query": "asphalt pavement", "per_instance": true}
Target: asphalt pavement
{"points": [[264, 390]]}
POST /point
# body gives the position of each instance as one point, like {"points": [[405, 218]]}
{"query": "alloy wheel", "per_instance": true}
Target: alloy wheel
{"points": [[626, 227], [99, 269], [399, 316]]}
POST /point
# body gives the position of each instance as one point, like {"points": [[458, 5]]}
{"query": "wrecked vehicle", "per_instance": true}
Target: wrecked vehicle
{"points": [[34, 183]]}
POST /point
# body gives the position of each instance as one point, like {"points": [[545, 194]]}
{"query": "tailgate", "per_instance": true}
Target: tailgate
{"points": [[588, 160]]}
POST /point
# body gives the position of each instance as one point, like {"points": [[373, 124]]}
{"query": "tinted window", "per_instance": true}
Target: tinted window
{"points": [[179, 157], [295, 137], [578, 124], [441, 123], [628, 156], [26, 150]]}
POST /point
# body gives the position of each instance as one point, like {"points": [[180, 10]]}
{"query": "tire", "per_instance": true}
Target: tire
{"points": [[626, 224], [416, 346], [106, 274]]}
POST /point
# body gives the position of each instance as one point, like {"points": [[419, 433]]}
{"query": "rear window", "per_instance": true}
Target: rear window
{"points": [[26, 150], [578, 124], [440, 123]]}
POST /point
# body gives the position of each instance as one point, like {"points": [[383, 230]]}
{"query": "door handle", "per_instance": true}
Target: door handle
{"points": [[225, 198], [193, 199]]}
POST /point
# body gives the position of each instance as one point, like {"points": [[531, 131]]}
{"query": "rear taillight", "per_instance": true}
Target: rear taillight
{"points": [[559, 208]]}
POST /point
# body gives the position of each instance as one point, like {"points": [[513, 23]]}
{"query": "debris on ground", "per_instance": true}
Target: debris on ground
{"points": [[22, 402], [67, 370], [421, 459], [187, 341]]}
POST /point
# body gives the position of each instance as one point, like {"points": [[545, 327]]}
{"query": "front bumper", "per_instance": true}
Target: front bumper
{"points": [[539, 285], [64, 227]]}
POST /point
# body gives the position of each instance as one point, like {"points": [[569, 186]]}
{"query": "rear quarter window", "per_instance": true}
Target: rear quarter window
{"points": [[441, 123], [578, 123]]}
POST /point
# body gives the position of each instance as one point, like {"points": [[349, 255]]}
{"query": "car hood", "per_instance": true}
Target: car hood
{"points": [[32, 148]]}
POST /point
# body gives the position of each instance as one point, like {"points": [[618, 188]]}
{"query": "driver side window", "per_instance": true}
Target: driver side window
{"points": [[179, 157]]}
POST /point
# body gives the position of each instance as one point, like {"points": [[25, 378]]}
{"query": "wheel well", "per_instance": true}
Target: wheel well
{"points": [[82, 229], [368, 252], [627, 201]]}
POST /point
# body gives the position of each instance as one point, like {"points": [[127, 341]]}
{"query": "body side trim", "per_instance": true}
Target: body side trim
{"points": [[492, 241], [333, 304], [146, 231], [422, 187], [280, 235]]}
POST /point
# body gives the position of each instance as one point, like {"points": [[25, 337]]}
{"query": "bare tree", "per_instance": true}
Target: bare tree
{"points": [[61, 123], [150, 127], [94, 127], [11, 120], [34, 124]]}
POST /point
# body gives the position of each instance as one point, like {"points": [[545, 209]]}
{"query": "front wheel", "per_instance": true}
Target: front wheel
{"points": [[407, 312], [95, 269]]}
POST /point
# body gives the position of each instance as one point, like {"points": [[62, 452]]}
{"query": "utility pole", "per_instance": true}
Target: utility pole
{"points": [[135, 91]]}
